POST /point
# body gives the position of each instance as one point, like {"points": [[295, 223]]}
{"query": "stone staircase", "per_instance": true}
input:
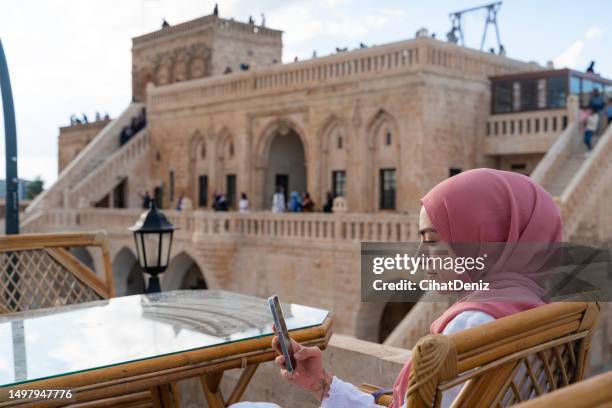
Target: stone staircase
{"points": [[102, 179], [97, 152]]}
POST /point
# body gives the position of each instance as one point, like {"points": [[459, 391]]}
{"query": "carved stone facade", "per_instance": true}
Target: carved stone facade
{"points": [[200, 48], [404, 115]]}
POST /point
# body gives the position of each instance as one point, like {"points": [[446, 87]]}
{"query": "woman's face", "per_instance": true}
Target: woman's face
{"points": [[432, 246]]}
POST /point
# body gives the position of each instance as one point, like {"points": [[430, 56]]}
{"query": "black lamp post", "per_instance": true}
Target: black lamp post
{"points": [[153, 238], [10, 134]]}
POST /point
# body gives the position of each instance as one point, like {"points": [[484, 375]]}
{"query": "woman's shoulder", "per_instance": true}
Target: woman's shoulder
{"points": [[466, 320]]}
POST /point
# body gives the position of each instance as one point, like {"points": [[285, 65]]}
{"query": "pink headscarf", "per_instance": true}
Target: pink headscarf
{"points": [[486, 205]]}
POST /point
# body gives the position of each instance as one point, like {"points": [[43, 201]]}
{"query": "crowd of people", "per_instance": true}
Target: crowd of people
{"points": [[597, 113], [136, 124], [298, 202], [75, 120]]}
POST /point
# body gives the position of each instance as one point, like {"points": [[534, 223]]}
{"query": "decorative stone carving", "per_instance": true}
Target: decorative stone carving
{"points": [[180, 68], [163, 69], [199, 63]]}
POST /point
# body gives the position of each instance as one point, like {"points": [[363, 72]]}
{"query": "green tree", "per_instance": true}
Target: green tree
{"points": [[34, 188]]}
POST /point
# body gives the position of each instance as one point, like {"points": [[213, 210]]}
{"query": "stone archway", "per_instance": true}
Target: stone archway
{"points": [[127, 274], [183, 273], [285, 164]]}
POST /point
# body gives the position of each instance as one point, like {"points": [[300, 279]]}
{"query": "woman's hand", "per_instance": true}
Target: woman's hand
{"points": [[308, 372]]}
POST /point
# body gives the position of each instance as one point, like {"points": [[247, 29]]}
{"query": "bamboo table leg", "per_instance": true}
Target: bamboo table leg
{"points": [[212, 391], [242, 383], [163, 396]]}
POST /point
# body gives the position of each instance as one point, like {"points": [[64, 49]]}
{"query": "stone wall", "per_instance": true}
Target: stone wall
{"points": [[199, 48], [73, 139], [416, 107]]}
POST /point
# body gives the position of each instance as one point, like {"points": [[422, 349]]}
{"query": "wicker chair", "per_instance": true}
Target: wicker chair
{"points": [[591, 393], [38, 271], [504, 362]]}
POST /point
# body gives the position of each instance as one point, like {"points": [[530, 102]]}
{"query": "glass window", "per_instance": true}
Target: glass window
{"points": [[529, 94], [575, 85], [339, 183], [387, 189], [557, 92], [503, 97], [585, 94]]}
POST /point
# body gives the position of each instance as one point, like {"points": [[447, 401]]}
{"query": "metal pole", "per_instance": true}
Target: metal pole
{"points": [[10, 134]]}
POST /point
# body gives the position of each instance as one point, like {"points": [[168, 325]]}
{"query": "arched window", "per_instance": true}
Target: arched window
{"points": [[388, 138], [230, 149], [203, 150], [339, 142]]}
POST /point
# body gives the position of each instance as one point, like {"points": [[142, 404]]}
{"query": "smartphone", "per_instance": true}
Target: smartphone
{"points": [[281, 330]]}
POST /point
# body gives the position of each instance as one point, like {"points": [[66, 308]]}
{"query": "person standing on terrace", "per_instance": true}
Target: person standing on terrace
{"points": [[477, 206], [592, 123]]}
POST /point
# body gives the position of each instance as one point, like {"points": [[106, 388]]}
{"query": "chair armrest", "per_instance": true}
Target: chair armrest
{"points": [[384, 399]]}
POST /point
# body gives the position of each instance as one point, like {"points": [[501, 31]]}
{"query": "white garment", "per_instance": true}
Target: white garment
{"points": [[592, 122], [346, 395], [278, 203], [243, 205]]}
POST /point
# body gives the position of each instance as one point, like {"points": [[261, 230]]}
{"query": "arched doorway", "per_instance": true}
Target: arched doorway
{"points": [[286, 164], [127, 274], [183, 273]]}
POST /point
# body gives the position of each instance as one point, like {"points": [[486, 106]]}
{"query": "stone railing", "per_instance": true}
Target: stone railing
{"points": [[103, 145], [352, 227], [524, 132], [561, 149], [594, 175], [105, 176], [354, 65]]}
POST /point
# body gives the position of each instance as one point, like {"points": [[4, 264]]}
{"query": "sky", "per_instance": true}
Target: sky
{"points": [[73, 56]]}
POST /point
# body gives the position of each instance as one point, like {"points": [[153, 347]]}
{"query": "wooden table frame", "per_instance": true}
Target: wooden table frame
{"points": [[157, 375]]}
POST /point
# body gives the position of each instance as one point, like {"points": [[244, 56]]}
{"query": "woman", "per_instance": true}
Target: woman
{"points": [[295, 202], [243, 204], [307, 203], [477, 206]]}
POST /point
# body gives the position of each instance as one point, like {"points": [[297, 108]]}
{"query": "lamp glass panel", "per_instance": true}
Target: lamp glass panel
{"points": [[151, 248], [138, 242], [166, 238]]}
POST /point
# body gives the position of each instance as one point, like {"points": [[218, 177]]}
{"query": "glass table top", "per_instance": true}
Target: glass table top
{"points": [[53, 342]]}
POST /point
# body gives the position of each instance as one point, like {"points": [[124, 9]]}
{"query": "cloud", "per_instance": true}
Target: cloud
{"points": [[593, 33], [571, 56]]}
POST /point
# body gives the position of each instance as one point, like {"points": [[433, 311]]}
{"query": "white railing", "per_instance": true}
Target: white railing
{"points": [[106, 142], [196, 224], [104, 177], [524, 132], [395, 57]]}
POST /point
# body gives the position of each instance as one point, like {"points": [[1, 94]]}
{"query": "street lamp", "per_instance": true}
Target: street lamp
{"points": [[153, 238]]}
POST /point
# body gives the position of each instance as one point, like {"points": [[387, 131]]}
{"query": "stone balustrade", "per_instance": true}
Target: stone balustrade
{"points": [[312, 226], [401, 56], [103, 145], [591, 180], [524, 132], [105, 176]]}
